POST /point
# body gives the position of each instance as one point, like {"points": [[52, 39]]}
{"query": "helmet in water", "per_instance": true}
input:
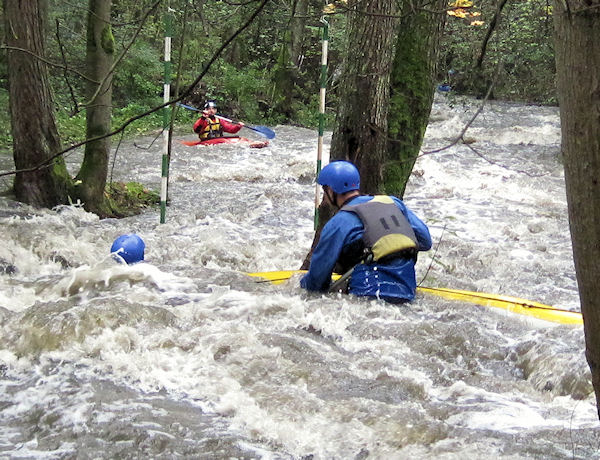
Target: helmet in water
{"points": [[210, 105], [129, 247], [341, 176]]}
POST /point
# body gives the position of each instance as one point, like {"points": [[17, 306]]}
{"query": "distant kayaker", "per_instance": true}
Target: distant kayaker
{"points": [[376, 236], [209, 126]]}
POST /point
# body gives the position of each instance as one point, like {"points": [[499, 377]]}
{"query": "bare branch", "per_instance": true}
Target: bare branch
{"points": [[64, 58], [461, 138], [46, 61], [493, 23]]}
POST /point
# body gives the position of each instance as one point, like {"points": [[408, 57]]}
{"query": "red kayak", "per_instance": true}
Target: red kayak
{"points": [[228, 140]]}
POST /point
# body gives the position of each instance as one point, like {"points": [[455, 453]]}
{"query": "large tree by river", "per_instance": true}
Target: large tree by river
{"points": [[100, 49], [33, 125], [386, 90], [411, 88], [360, 133], [577, 44], [382, 60]]}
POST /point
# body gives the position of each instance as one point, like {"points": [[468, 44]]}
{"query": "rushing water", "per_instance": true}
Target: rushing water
{"points": [[185, 356]]}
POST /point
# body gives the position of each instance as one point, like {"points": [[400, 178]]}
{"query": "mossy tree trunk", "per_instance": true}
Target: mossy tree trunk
{"points": [[577, 44], [35, 136], [99, 59], [412, 89], [360, 133]]}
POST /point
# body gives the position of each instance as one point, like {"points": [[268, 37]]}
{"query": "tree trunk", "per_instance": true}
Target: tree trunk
{"points": [[412, 89], [577, 43], [360, 134], [35, 136], [99, 58], [297, 28]]}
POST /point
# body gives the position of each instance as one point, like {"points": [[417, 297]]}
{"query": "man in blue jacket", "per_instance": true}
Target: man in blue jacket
{"points": [[376, 236]]}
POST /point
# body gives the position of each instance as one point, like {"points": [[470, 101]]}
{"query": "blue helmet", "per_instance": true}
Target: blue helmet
{"points": [[341, 176], [129, 247]]}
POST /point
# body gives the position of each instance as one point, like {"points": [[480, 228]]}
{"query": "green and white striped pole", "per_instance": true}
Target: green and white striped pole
{"points": [[321, 112], [168, 24]]}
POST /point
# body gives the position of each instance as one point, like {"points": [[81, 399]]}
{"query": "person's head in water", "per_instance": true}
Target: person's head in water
{"points": [[210, 108], [128, 248]]}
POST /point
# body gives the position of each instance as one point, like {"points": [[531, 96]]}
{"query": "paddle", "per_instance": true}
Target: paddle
{"points": [[262, 130]]}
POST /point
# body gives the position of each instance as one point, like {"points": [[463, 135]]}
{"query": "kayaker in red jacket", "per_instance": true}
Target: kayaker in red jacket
{"points": [[209, 126]]}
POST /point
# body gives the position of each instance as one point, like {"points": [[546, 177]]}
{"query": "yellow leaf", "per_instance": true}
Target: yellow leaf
{"points": [[459, 13], [461, 4], [329, 8], [477, 23], [474, 14]]}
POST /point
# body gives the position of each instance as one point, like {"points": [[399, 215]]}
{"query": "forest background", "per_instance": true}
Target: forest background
{"points": [[252, 80]]}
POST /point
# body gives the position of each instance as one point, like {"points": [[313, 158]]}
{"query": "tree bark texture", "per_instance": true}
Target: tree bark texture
{"points": [[297, 29], [35, 136], [412, 88], [577, 43], [99, 59], [360, 134]]}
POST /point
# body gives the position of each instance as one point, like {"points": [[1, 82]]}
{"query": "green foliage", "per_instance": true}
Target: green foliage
{"points": [[240, 92], [139, 78], [242, 78], [519, 56], [72, 128], [127, 199], [141, 126], [308, 114], [5, 130]]}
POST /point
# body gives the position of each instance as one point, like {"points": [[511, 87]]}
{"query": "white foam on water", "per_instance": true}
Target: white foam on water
{"points": [[282, 372]]}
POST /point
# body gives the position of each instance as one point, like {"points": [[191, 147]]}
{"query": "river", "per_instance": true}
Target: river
{"points": [[184, 356]]}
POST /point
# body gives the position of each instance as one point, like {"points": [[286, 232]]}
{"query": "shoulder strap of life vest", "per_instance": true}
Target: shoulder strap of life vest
{"points": [[387, 230]]}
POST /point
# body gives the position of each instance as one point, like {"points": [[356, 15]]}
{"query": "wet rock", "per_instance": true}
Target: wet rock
{"points": [[6, 268], [222, 353], [59, 259], [536, 227], [362, 455]]}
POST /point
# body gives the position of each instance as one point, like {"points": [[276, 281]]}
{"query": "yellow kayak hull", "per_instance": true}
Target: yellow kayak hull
{"points": [[509, 303]]}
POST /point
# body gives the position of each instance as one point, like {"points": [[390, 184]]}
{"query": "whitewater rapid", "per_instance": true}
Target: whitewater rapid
{"points": [[186, 356]]}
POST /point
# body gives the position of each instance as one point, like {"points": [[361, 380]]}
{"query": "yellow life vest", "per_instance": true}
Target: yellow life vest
{"points": [[387, 231], [212, 129]]}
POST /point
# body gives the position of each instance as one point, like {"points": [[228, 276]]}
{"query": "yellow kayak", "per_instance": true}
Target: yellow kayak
{"points": [[509, 303]]}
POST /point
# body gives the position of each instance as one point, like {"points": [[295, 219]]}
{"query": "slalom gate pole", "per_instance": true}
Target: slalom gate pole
{"points": [[321, 111], [168, 24]]}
